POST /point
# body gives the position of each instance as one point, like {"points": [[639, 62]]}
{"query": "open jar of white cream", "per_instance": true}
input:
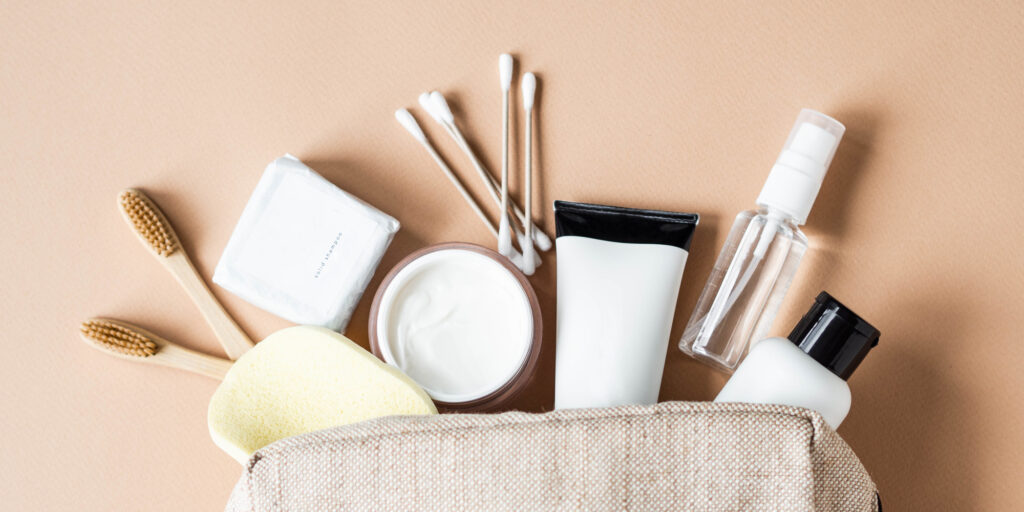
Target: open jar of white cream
{"points": [[462, 322]]}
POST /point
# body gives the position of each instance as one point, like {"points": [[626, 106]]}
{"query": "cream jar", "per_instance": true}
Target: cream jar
{"points": [[462, 322]]}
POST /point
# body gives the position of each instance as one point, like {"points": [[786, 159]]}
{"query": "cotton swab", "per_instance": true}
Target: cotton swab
{"points": [[409, 123], [444, 115], [505, 64], [435, 105], [529, 87]]}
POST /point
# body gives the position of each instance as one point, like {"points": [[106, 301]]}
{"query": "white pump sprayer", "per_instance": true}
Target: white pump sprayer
{"points": [[764, 248]]}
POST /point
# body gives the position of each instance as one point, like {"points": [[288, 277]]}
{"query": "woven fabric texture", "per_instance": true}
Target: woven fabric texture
{"points": [[670, 456]]}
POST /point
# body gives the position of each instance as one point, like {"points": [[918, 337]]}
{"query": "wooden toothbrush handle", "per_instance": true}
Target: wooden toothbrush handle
{"points": [[231, 336], [176, 356]]}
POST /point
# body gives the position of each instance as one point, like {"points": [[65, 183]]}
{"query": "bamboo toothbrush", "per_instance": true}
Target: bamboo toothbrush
{"points": [[435, 105], [409, 123], [128, 341], [156, 233], [529, 91], [505, 66]]}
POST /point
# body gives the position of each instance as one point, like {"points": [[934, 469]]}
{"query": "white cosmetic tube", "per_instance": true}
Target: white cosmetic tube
{"points": [[619, 271]]}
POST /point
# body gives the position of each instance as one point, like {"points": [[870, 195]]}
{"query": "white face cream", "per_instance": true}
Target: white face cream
{"points": [[457, 322]]}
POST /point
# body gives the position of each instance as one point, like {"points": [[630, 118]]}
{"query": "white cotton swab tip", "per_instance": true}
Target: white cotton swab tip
{"points": [[542, 239], [529, 90], [505, 65], [504, 237], [530, 258], [523, 242], [442, 107], [409, 123], [428, 104], [517, 259]]}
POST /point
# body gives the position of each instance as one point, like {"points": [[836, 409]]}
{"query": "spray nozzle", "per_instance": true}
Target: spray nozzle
{"points": [[796, 177]]}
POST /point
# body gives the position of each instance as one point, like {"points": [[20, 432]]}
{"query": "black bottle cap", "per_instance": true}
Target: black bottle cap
{"points": [[834, 335]]}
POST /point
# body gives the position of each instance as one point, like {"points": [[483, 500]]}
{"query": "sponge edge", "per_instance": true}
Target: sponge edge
{"points": [[303, 379]]}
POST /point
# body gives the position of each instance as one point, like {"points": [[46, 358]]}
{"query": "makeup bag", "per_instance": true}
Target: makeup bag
{"points": [[670, 456]]}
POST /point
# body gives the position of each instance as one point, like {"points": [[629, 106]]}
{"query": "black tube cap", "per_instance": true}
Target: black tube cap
{"points": [[834, 335]]}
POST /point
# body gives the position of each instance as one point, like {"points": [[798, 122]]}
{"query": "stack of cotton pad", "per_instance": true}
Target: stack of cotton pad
{"points": [[304, 249], [302, 379]]}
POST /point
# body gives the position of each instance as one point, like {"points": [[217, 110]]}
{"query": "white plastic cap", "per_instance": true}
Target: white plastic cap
{"points": [[505, 65], [796, 177]]}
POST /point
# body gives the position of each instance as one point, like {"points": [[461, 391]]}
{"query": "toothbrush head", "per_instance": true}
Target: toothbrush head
{"points": [[529, 90], [505, 65], [118, 338], [442, 107], [149, 222], [409, 123]]}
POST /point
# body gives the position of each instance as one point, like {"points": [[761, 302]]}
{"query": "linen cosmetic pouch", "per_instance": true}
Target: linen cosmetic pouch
{"points": [[669, 456]]}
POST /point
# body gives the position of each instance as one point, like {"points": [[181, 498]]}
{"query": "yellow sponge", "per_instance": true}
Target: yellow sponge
{"points": [[302, 379]]}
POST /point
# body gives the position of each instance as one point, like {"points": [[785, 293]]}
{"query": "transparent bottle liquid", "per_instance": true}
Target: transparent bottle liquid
{"points": [[760, 258], [745, 289]]}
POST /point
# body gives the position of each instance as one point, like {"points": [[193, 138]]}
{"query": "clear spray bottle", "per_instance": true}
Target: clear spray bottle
{"points": [[764, 248]]}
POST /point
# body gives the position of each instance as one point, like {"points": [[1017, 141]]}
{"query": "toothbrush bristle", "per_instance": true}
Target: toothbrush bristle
{"points": [[117, 338], [149, 223]]}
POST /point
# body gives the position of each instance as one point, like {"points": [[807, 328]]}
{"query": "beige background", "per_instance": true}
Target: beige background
{"points": [[669, 105]]}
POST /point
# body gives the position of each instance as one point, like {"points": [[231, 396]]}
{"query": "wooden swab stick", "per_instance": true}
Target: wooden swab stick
{"points": [[505, 65], [435, 105], [409, 123], [529, 90]]}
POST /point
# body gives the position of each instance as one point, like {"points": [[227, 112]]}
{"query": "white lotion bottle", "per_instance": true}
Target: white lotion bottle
{"points": [[810, 368], [764, 248]]}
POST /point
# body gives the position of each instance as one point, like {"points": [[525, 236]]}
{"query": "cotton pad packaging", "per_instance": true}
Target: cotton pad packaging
{"points": [[304, 249]]}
